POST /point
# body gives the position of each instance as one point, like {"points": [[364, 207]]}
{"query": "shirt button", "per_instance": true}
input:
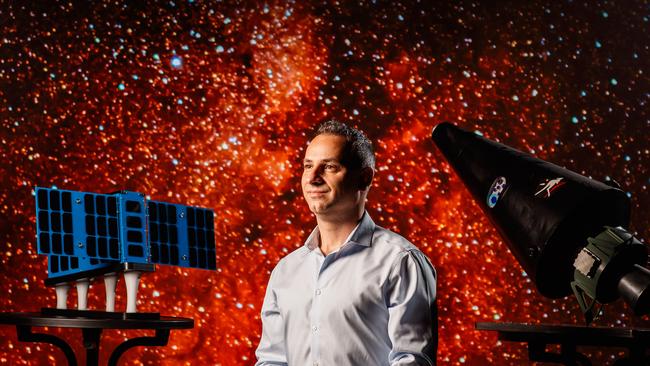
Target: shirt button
{"points": [[315, 363], [318, 292], [314, 328]]}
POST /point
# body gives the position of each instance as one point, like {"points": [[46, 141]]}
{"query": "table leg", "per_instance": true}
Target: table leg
{"points": [[160, 339], [25, 335], [637, 355], [568, 355], [91, 344]]}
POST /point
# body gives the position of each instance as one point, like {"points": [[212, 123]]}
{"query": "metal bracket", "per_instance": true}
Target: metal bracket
{"points": [[25, 335], [160, 339]]}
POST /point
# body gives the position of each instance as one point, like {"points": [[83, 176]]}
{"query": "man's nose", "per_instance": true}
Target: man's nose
{"points": [[315, 176]]}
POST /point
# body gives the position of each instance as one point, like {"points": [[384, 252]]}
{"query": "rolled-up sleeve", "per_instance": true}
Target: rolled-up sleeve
{"points": [[271, 350], [411, 298]]}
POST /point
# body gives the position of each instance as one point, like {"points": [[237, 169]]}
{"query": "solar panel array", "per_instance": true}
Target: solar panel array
{"points": [[163, 233], [57, 217], [101, 228], [82, 230], [200, 233], [55, 222], [181, 235]]}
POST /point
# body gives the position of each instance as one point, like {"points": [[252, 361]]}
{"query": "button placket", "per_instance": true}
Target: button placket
{"points": [[315, 310]]}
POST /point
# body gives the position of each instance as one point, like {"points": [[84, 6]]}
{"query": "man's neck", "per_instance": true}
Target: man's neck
{"points": [[334, 232]]}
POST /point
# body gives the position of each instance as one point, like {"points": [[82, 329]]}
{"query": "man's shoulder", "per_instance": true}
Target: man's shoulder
{"points": [[393, 245], [386, 239], [298, 253], [293, 258]]}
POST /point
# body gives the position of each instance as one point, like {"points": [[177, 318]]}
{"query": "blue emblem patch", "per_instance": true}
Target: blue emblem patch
{"points": [[496, 190]]}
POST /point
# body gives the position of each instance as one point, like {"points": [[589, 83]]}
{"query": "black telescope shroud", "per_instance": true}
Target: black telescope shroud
{"points": [[545, 232]]}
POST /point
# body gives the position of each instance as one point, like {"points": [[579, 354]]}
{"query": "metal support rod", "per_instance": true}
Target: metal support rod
{"points": [[160, 339], [25, 335], [91, 344]]}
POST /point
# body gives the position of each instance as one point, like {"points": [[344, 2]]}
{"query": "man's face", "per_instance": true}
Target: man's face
{"points": [[329, 188]]}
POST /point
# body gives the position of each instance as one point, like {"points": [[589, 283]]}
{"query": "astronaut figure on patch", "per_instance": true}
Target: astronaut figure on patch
{"points": [[355, 294]]}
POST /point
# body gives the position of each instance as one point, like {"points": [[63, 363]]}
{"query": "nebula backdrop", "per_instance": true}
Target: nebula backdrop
{"points": [[210, 103]]}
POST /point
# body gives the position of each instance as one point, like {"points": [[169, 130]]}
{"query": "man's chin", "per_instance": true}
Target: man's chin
{"points": [[318, 209]]}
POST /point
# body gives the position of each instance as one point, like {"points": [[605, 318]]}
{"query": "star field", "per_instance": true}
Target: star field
{"points": [[211, 103]]}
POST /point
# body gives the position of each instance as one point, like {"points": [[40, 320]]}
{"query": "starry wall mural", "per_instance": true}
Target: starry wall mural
{"points": [[210, 104]]}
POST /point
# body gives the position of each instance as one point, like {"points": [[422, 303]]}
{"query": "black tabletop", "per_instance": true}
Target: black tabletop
{"points": [[578, 334], [34, 319]]}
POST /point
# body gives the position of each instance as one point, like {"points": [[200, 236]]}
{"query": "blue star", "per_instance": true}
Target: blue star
{"points": [[176, 62]]}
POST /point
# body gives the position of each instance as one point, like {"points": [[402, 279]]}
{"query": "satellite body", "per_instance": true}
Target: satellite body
{"points": [[86, 235]]}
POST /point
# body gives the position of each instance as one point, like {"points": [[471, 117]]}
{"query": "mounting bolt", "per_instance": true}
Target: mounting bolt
{"points": [[181, 214], [80, 245], [184, 257], [77, 201]]}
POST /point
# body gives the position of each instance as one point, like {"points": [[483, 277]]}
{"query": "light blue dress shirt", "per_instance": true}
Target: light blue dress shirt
{"points": [[371, 302]]}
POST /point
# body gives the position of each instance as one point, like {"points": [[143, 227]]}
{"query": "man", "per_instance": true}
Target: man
{"points": [[355, 294]]}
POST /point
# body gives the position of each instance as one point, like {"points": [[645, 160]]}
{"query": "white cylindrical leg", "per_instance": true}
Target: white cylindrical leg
{"points": [[132, 280], [62, 296], [110, 282], [82, 293]]}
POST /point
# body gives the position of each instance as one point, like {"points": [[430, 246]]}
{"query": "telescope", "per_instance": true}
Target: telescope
{"points": [[568, 232]]}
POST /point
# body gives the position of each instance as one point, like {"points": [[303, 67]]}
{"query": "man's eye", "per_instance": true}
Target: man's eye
{"points": [[306, 166], [330, 167]]}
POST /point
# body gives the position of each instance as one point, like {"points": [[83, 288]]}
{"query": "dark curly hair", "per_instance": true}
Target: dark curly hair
{"points": [[359, 153]]}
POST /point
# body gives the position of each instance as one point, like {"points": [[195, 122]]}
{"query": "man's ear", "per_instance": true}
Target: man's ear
{"points": [[366, 178]]}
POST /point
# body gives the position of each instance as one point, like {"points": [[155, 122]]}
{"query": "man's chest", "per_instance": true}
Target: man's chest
{"points": [[329, 288]]}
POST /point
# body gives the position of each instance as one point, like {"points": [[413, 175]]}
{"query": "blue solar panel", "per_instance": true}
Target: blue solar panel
{"points": [[54, 222], [181, 235], [62, 265], [165, 223], [100, 236], [200, 233]]}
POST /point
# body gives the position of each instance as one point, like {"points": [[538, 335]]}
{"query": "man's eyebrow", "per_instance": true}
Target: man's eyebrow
{"points": [[330, 160]]}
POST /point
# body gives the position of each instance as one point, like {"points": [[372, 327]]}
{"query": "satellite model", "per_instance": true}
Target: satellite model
{"points": [[87, 235], [566, 230]]}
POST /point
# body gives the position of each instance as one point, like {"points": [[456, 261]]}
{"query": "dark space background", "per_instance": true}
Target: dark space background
{"points": [[210, 103]]}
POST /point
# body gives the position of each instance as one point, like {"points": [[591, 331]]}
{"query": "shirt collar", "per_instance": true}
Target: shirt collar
{"points": [[361, 235]]}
